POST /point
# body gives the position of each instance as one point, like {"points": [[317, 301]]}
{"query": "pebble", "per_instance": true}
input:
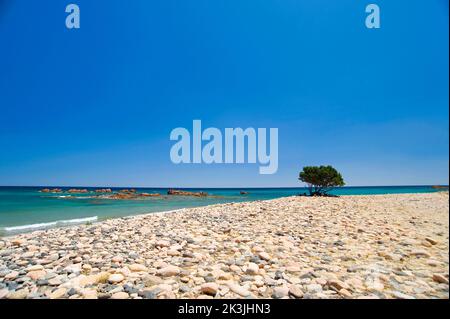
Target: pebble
{"points": [[209, 288], [115, 278], [345, 293], [169, 271], [151, 280], [401, 295], [117, 259], [58, 293], [431, 241], [137, 267], [163, 243], [252, 269], [420, 253], [440, 279], [241, 291], [264, 256], [12, 275], [3, 293], [338, 285], [89, 294], [36, 274], [314, 288], [19, 294], [35, 268], [120, 295], [280, 292], [295, 291]]}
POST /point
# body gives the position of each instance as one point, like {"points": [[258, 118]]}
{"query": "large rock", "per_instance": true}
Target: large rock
{"points": [[149, 194], [103, 190], [48, 190], [78, 191], [186, 193]]}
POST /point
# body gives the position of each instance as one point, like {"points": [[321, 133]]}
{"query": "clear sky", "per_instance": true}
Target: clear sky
{"points": [[95, 106]]}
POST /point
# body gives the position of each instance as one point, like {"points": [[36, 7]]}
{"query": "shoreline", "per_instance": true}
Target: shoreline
{"points": [[89, 219], [353, 246]]}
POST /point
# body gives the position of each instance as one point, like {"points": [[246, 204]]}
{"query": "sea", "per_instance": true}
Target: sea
{"points": [[24, 209]]}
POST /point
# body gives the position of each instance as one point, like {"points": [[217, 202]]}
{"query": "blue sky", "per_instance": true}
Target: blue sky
{"points": [[95, 106]]}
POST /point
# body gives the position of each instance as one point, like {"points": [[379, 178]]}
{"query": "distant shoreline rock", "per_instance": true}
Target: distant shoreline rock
{"points": [[77, 191], [130, 194], [103, 190], [176, 192], [53, 190], [439, 187]]}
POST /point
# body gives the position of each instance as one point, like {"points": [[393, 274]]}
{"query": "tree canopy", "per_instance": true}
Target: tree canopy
{"points": [[321, 179]]}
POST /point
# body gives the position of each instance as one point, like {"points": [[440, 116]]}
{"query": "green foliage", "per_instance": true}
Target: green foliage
{"points": [[321, 179]]}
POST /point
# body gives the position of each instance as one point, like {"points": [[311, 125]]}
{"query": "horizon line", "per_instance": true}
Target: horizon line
{"points": [[231, 187]]}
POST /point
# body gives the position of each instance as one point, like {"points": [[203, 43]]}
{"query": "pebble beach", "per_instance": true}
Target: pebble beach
{"points": [[374, 246]]}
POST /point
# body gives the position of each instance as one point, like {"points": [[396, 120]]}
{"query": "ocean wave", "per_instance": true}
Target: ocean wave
{"points": [[72, 197], [22, 228]]}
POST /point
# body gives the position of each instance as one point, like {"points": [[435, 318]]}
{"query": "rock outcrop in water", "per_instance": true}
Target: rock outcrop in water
{"points": [[439, 187], [149, 194], [103, 190], [77, 191], [176, 192], [128, 191], [129, 195], [53, 190]]}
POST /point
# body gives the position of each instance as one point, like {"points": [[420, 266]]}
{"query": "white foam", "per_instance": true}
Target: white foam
{"points": [[32, 226], [78, 220], [72, 197], [50, 224]]}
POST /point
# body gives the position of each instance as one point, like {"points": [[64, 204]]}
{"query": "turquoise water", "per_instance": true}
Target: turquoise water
{"points": [[25, 208]]}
